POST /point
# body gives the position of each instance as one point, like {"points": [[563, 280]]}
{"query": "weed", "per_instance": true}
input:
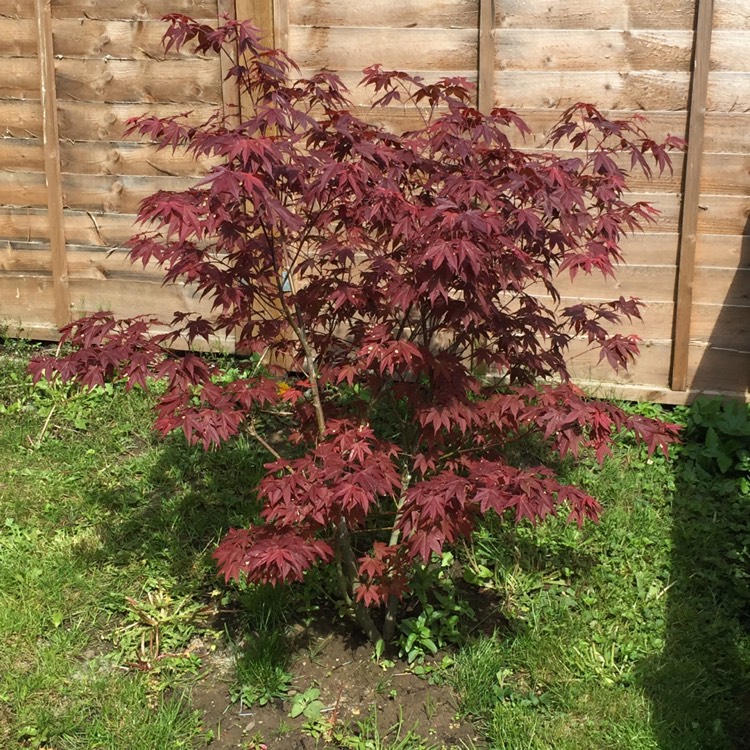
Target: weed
{"points": [[262, 664], [442, 614], [307, 704], [367, 735], [157, 632]]}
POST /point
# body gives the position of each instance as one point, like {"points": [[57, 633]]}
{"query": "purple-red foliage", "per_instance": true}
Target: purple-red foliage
{"points": [[397, 268]]}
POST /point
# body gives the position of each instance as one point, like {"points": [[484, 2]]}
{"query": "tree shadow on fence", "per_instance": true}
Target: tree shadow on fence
{"points": [[725, 363], [699, 685]]}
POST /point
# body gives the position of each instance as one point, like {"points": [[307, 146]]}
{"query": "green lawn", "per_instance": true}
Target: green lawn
{"points": [[630, 634]]}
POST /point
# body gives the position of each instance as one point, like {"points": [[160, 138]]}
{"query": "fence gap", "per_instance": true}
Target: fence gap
{"points": [[52, 169], [691, 194]]}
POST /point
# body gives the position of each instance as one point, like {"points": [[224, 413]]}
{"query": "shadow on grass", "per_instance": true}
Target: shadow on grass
{"points": [[700, 684], [170, 505]]}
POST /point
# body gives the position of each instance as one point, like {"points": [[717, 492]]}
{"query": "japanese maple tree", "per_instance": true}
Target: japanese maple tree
{"points": [[415, 272]]}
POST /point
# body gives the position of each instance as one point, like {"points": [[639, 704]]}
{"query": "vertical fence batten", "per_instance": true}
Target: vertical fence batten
{"points": [[52, 169], [260, 12], [229, 90], [486, 57], [281, 24], [691, 194]]}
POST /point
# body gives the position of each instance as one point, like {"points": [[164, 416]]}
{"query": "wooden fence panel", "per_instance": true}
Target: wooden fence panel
{"points": [[105, 64], [535, 56], [26, 295], [637, 55]]}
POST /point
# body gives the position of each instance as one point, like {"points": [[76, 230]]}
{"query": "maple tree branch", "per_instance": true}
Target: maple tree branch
{"points": [[347, 577], [389, 624], [254, 433], [296, 324]]}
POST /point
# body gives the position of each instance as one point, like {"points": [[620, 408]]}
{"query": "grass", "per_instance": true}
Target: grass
{"points": [[105, 539], [630, 634]]}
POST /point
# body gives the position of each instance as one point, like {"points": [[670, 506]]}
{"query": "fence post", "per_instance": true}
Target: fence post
{"points": [[270, 16], [691, 194], [486, 57], [52, 169]]}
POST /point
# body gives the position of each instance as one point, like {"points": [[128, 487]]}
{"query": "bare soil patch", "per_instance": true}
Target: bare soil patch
{"points": [[352, 686]]}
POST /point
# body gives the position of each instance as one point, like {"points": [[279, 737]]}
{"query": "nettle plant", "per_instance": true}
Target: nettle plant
{"points": [[410, 274]]}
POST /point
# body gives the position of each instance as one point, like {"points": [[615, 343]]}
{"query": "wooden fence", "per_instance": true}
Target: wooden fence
{"points": [[75, 70]]}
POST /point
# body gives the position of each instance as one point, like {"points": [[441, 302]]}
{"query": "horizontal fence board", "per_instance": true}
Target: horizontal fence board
{"points": [[634, 90], [92, 228], [30, 258], [722, 326], [21, 154], [725, 132], [656, 320], [82, 37], [361, 97], [650, 368], [595, 14], [653, 284], [712, 368], [729, 49], [722, 286], [20, 78], [17, 9], [124, 40], [23, 189], [586, 49], [27, 301], [115, 193], [649, 283], [105, 229], [723, 214], [96, 157], [131, 9], [618, 50], [442, 14], [94, 121], [21, 118], [721, 174], [87, 262], [723, 251], [18, 36], [709, 368], [146, 81], [728, 91], [401, 49], [649, 249], [129, 297], [81, 227], [731, 14], [23, 224], [725, 174], [637, 90], [100, 264]]}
